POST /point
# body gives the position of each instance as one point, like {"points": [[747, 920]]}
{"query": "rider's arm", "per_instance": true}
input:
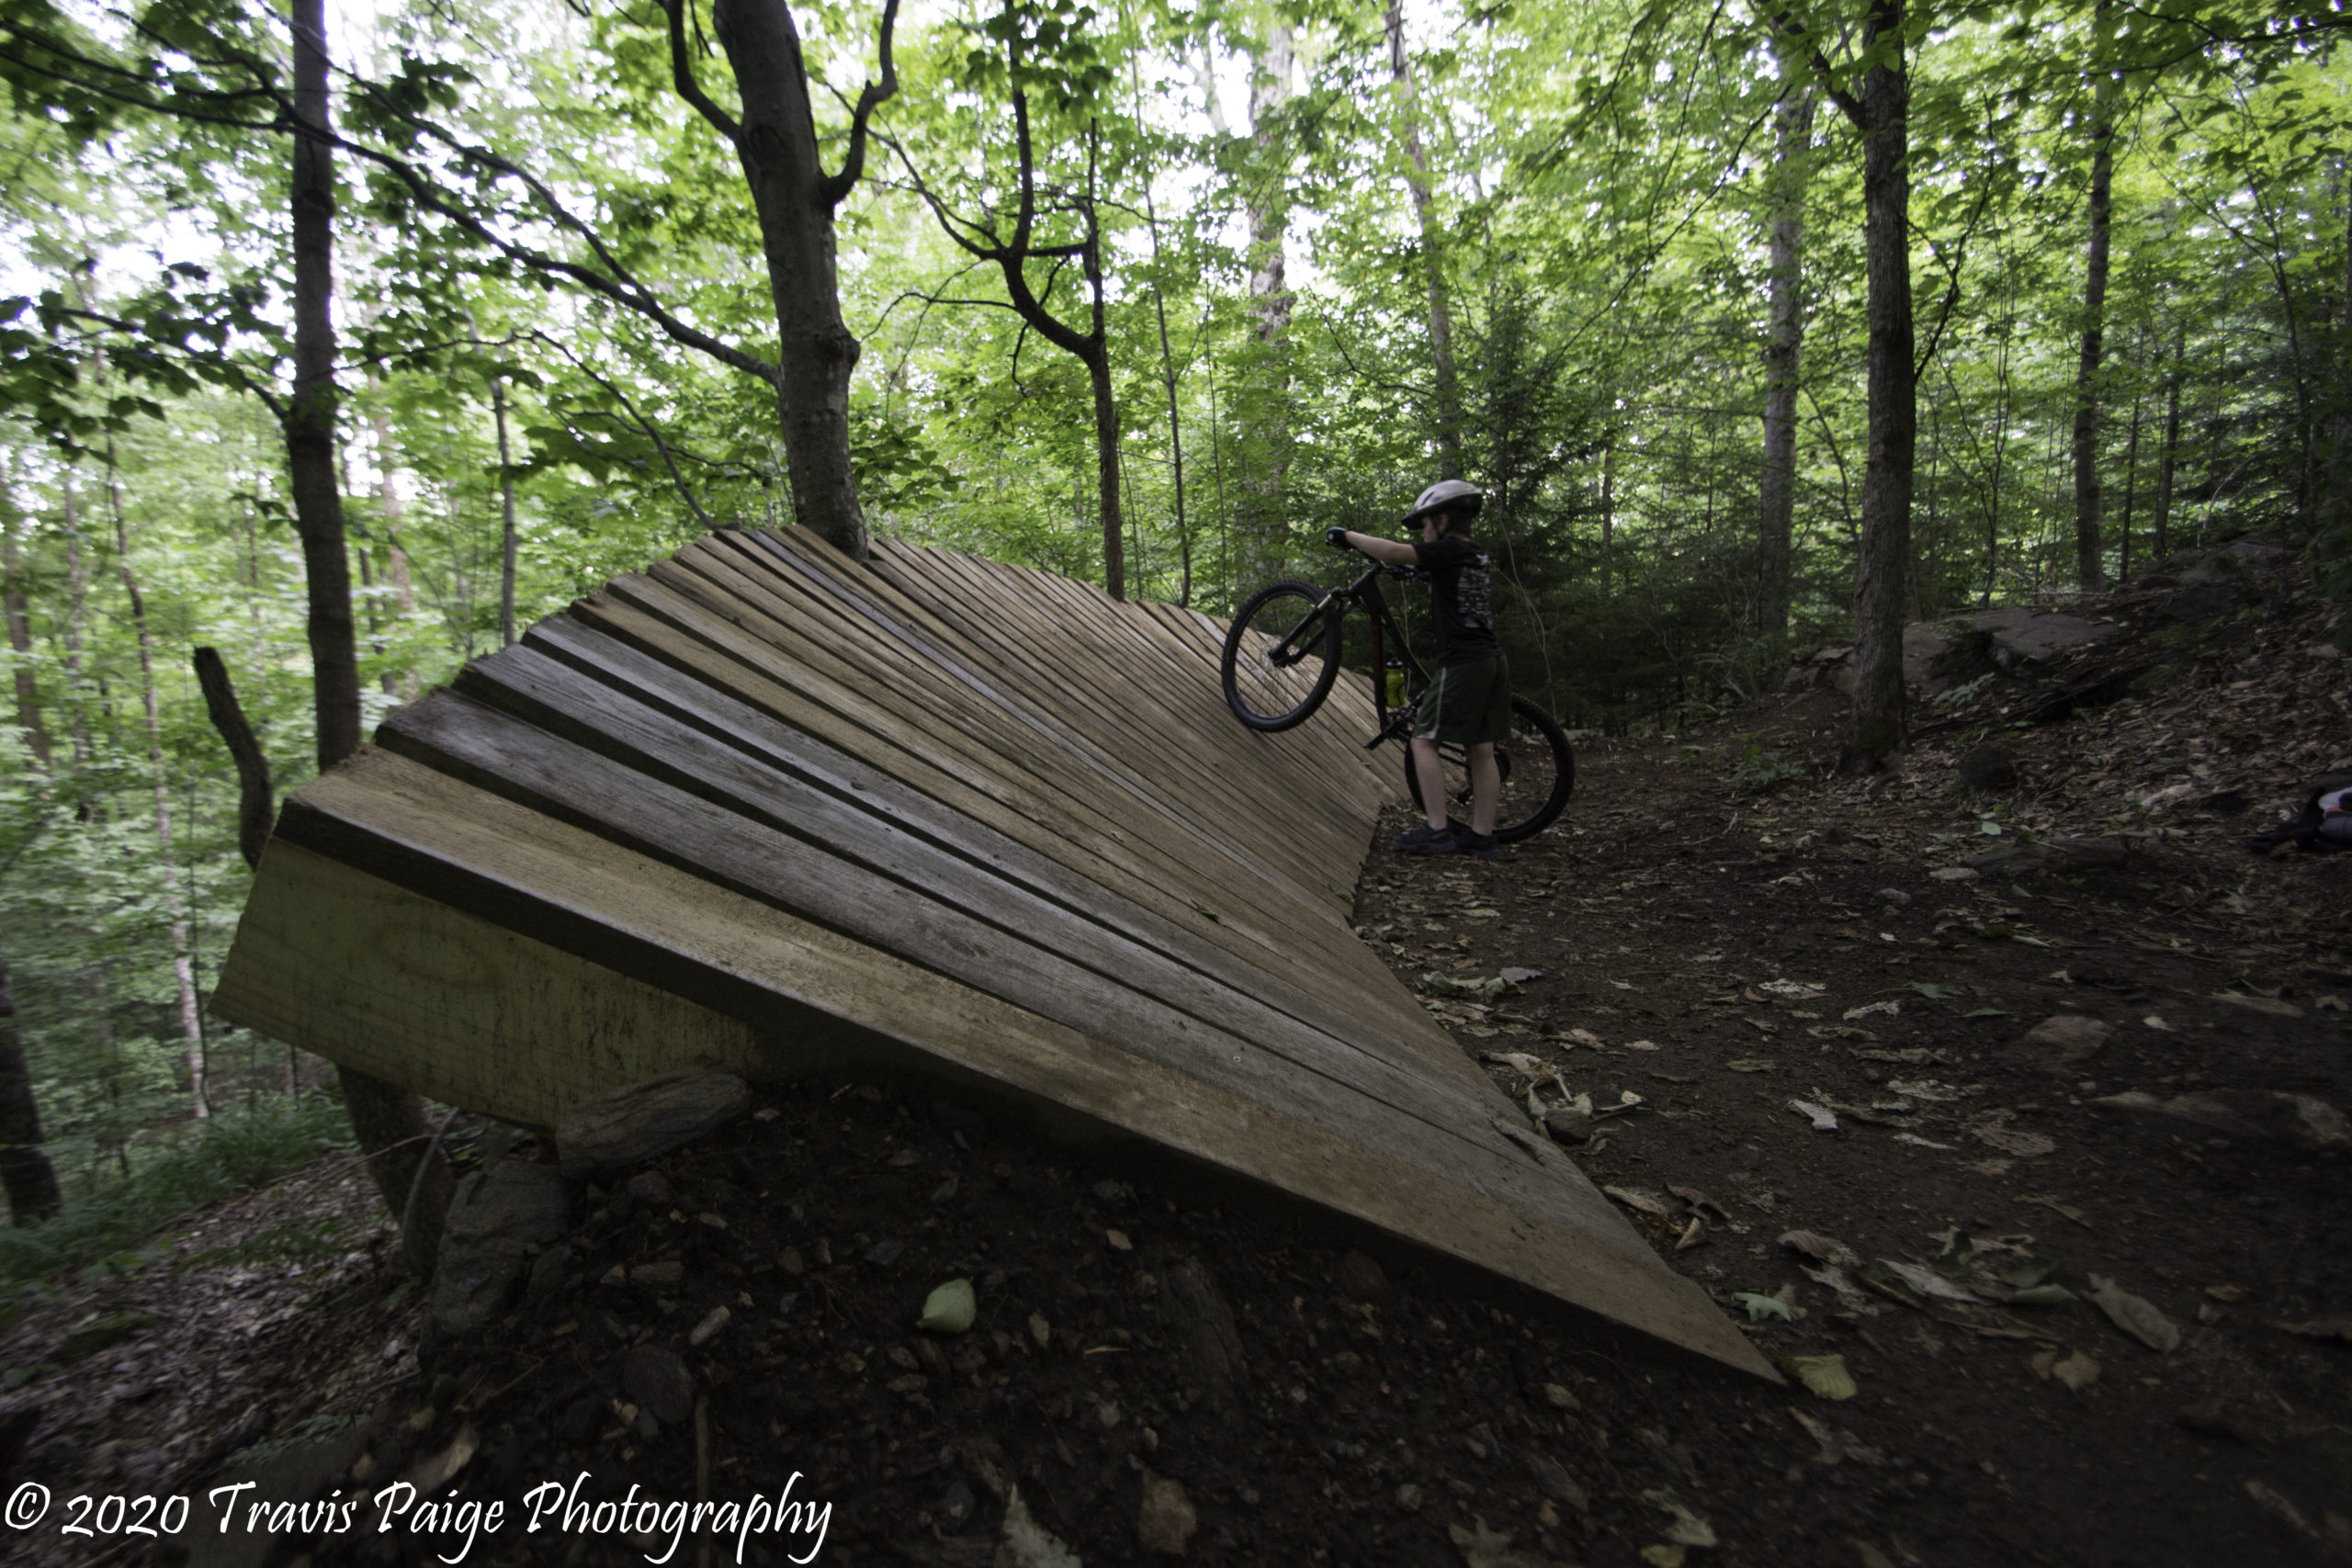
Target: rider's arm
{"points": [[1394, 552]]}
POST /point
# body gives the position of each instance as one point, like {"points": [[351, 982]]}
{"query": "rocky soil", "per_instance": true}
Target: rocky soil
{"points": [[2001, 1093]]}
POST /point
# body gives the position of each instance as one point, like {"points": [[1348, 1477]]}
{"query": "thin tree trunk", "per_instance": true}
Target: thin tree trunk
{"points": [[2089, 563], [1882, 112], [388, 494], [2131, 487], [795, 197], [1449, 400], [183, 966], [388, 1121], [1783, 352], [20, 634], [77, 600], [1608, 515], [24, 1170], [2169, 452], [506, 515], [1265, 394], [2336, 514]]}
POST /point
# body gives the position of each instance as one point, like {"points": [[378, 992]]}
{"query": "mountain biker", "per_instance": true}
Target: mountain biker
{"points": [[1469, 702]]}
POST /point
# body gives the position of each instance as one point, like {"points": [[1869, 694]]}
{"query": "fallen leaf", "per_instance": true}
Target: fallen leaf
{"points": [[1927, 1282], [2270, 1004], [1664, 1555], [950, 1308], [1759, 1307], [1923, 1143], [1821, 1248], [1889, 1007], [1645, 1202], [1520, 1062], [2012, 1140], [1699, 1201], [1025, 1543], [1118, 1240], [1484, 1548], [1688, 1529], [1937, 991], [1792, 988], [2226, 1292], [1751, 1065], [2065, 1211], [2078, 1371], [1522, 977], [1642, 1045], [2135, 1315], [1823, 1119], [1824, 1375], [2335, 1328]]}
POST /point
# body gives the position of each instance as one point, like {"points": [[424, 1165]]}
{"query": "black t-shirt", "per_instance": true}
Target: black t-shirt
{"points": [[1461, 595]]}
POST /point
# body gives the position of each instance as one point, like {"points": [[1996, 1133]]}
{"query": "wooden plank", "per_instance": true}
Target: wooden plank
{"points": [[470, 1013], [852, 1005], [542, 690], [1043, 691], [1278, 907], [1343, 976], [826, 861], [526, 870]]}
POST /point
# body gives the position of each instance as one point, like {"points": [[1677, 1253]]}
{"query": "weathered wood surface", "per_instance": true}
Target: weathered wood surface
{"points": [[766, 809]]}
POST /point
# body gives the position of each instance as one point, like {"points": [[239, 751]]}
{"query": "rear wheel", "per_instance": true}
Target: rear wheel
{"points": [[1539, 773], [1282, 653]]}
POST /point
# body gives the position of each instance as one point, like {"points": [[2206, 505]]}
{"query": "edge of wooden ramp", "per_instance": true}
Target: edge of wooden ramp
{"points": [[766, 809]]}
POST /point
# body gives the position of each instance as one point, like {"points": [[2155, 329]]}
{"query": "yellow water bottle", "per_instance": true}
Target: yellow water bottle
{"points": [[1396, 683]]}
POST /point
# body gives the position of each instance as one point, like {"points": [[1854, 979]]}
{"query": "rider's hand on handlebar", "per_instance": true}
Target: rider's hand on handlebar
{"points": [[1337, 538]]}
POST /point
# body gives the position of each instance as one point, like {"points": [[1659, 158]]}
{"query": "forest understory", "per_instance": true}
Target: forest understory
{"points": [[2074, 1237]]}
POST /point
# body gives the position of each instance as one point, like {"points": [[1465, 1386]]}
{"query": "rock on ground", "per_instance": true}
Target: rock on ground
{"points": [[628, 1126]]}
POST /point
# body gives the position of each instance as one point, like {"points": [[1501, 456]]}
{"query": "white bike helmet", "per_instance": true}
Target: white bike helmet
{"points": [[1447, 495]]}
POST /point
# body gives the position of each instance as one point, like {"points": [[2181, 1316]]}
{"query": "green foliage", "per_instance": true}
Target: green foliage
{"points": [[1762, 769], [234, 1153]]}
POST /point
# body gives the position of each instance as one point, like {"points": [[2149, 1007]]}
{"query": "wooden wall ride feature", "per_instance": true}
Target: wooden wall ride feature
{"points": [[766, 808]]}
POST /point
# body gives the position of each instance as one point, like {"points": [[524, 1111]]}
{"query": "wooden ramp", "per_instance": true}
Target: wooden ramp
{"points": [[766, 809]]}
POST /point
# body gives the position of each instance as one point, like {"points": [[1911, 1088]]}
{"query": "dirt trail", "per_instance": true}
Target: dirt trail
{"points": [[1155, 1362]]}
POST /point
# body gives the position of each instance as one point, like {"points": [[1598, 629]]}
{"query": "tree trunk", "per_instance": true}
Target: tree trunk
{"points": [[506, 513], [310, 420], [183, 965], [2090, 566], [20, 634], [388, 1121], [2169, 452], [1884, 122], [255, 812], [1449, 400], [792, 193], [1783, 351], [1106, 462], [77, 600], [388, 494], [1608, 515], [2130, 488], [2337, 510], [1175, 443], [24, 1170], [1263, 398]]}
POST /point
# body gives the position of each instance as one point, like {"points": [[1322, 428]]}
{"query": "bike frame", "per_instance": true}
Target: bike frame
{"points": [[1366, 594]]}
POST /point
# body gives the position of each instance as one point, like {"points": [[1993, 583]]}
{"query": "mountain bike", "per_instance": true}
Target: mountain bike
{"points": [[1282, 657]]}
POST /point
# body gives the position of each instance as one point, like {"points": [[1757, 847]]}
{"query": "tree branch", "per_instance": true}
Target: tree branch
{"points": [[682, 76], [836, 189]]}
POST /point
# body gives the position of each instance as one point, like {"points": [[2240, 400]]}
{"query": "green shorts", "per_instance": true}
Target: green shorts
{"points": [[1467, 705]]}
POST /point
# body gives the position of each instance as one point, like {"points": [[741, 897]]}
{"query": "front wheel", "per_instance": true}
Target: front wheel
{"points": [[1282, 653], [1539, 773]]}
